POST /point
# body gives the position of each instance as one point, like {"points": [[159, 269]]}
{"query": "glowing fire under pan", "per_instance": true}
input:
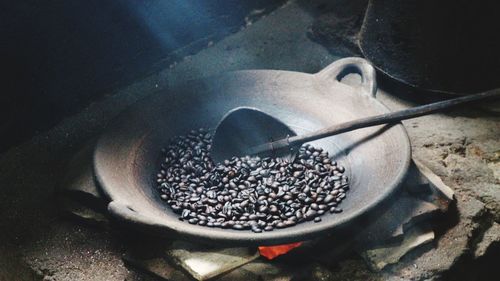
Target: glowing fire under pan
{"points": [[376, 159]]}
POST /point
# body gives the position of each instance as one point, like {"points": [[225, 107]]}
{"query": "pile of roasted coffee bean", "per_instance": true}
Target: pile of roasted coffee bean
{"points": [[253, 193]]}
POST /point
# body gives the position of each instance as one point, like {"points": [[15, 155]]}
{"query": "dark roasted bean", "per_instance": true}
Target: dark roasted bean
{"points": [[298, 174], [310, 214], [281, 225], [329, 198], [256, 229], [273, 209], [185, 213], [302, 196], [263, 209], [268, 228], [238, 226], [299, 214]]}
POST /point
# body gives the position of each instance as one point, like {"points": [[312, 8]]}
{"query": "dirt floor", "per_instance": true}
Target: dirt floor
{"points": [[462, 147]]}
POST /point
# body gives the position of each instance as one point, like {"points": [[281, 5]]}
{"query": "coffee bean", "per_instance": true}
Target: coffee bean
{"points": [[281, 225], [310, 214], [185, 213], [298, 174], [263, 209], [299, 214], [256, 229], [335, 210], [273, 209], [306, 189], [329, 198]]}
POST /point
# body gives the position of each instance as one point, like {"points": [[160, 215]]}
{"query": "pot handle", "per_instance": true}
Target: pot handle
{"points": [[126, 214], [340, 68]]}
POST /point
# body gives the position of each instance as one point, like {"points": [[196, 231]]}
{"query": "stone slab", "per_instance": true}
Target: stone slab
{"points": [[203, 262], [435, 181], [379, 258], [156, 266], [389, 227]]}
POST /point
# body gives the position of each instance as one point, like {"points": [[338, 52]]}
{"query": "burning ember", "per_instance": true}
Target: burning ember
{"points": [[271, 252]]}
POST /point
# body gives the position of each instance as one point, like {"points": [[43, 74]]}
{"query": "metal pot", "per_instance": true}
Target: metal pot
{"points": [[442, 46], [127, 156]]}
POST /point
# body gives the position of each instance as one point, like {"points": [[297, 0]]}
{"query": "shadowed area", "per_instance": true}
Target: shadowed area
{"points": [[61, 55], [243, 128]]}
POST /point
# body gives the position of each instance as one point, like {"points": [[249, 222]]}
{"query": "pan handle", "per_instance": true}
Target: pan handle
{"points": [[130, 217], [340, 68]]}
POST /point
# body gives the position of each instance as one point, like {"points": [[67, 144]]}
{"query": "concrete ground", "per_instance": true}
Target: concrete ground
{"points": [[463, 147]]}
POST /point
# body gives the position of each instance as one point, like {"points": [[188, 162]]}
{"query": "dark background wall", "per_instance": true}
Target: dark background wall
{"points": [[59, 55]]}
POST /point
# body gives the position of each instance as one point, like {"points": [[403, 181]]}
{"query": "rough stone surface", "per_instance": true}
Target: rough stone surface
{"points": [[71, 252], [449, 248], [490, 239], [461, 147], [320, 273], [391, 225], [261, 271], [379, 258], [13, 267], [354, 269], [338, 28]]}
